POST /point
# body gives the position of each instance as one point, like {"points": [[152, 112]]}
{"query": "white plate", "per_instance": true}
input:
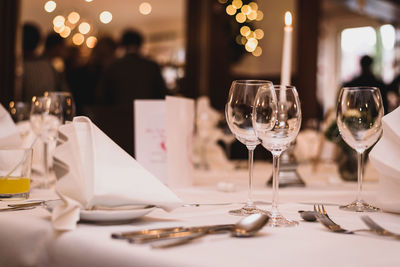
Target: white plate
{"points": [[108, 215], [114, 215]]}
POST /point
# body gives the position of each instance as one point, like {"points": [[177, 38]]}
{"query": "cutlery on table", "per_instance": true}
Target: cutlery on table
{"points": [[308, 215], [376, 228], [246, 227], [16, 208], [158, 233], [257, 202]]}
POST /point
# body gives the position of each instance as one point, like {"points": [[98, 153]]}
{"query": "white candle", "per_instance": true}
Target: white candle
{"points": [[286, 53]]}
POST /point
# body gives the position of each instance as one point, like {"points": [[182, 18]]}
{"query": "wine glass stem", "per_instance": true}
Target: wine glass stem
{"points": [[46, 164], [251, 161], [275, 182], [360, 162]]}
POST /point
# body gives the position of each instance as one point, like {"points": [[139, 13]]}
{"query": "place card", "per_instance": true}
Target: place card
{"points": [[150, 136], [164, 138]]}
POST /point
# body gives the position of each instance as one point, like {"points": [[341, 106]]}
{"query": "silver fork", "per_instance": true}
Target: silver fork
{"points": [[376, 228], [325, 220]]}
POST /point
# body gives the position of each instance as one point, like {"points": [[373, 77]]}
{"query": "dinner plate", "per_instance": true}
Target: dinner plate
{"points": [[114, 215], [126, 213]]}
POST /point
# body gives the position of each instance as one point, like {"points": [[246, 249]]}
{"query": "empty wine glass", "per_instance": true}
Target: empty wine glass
{"points": [[359, 114], [46, 116], [67, 103], [286, 126], [238, 113]]}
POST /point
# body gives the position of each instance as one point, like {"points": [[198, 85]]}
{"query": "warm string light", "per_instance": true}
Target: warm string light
{"points": [[76, 27], [246, 13]]}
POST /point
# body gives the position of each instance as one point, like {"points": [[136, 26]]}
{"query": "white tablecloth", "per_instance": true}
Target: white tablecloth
{"points": [[27, 239]]}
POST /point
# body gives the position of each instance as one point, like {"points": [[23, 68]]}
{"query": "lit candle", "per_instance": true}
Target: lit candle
{"points": [[287, 52]]}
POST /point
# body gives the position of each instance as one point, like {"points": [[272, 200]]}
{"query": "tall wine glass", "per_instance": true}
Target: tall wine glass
{"points": [[46, 116], [359, 114], [286, 126], [238, 113]]}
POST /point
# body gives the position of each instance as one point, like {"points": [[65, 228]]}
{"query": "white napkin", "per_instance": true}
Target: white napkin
{"points": [[9, 134], [92, 170], [385, 157]]}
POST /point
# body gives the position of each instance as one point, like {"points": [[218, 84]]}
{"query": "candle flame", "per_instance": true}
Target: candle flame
{"points": [[288, 18]]}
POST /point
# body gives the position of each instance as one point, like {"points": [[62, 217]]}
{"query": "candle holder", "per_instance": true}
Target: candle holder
{"points": [[288, 175]]}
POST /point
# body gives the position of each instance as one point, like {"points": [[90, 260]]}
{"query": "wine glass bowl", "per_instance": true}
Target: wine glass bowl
{"points": [[239, 117], [276, 131], [45, 117], [359, 119], [67, 103]]}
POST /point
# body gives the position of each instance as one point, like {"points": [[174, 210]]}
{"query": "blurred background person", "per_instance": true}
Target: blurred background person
{"points": [[128, 78], [83, 79], [39, 74], [367, 78]]}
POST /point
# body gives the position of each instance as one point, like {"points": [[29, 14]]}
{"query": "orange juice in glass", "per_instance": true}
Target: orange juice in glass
{"points": [[15, 173]]}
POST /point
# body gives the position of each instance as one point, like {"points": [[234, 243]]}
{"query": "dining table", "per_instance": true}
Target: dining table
{"points": [[27, 237]]}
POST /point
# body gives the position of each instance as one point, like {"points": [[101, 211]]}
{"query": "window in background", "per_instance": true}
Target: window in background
{"points": [[378, 43]]}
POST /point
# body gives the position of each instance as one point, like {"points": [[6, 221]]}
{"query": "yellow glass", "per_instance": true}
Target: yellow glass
{"points": [[15, 173]]}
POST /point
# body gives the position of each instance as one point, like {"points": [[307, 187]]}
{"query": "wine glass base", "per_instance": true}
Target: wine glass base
{"points": [[277, 220], [244, 211], [359, 206]]}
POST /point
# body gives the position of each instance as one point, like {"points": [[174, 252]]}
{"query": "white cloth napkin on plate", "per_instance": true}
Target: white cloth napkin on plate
{"points": [[385, 157], [9, 134], [94, 171]]}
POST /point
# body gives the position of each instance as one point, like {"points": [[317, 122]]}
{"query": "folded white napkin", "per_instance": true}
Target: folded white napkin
{"points": [[94, 171], [9, 134], [385, 157]]}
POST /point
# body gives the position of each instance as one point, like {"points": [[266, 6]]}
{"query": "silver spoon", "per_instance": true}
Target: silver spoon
{"points": [[246, 227], [308, 215]]}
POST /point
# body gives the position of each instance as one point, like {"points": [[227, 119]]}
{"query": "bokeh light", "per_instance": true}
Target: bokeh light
{"points": [[253, 6], [257, 52], [240, 17], [58, 21], [259, 34], [251, 45], [50, 6], [65, 32], [246, 9], [230, 10], [78, 39], [73, 17], [245, 30], [260, 15], [91, 41], [237, 4], [145, 8], [105, 17], [252, 15], [84, 27], [59, 29]]}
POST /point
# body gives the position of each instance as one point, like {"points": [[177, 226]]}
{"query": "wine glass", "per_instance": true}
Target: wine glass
{"points": [[286, 126], [67, 103], [359, 115], [238, 113], [46, 116]]}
